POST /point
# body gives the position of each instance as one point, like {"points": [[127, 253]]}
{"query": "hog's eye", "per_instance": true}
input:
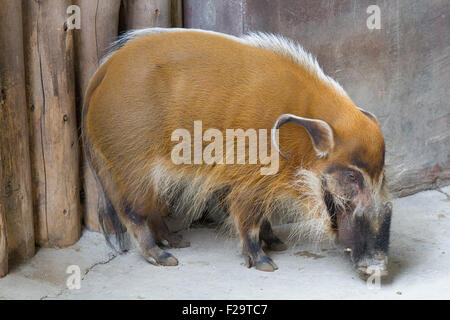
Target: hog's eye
{"points": [[352, 177]]}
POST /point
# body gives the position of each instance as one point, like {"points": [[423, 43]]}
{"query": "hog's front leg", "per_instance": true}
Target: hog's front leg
{"points": [[253, 253], [267, 235], [248, 222]]}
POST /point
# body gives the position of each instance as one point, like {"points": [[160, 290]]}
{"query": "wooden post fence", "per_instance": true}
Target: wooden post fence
{"points": [[54, 137], [16, 215]]}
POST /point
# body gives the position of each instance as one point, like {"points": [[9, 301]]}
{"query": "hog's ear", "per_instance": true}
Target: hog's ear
{"points": [[320, 132]]}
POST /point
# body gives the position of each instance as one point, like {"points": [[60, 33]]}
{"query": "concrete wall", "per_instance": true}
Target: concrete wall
{"points": [[400, 72]]}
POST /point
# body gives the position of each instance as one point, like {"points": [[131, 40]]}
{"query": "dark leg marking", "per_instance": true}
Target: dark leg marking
{"points": [[255, 256], [140, 231], [131, 214], [162, 232], [267, 235], [150, 250]]}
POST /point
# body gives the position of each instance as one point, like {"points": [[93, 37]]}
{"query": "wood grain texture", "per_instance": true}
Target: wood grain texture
{"points": [[99, 28], [16, 215], [53, 125], [3, 243], [176, 13], [222, 16], [138, 14]]}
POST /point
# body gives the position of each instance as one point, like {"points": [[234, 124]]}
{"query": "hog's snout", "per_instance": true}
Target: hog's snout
{"points": [[366, 238]]}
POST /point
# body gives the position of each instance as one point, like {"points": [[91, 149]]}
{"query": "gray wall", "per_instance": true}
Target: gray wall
{"points": [[400, 72]]}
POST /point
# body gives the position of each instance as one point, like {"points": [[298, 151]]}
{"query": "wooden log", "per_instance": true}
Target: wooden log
{"points": [[53, 125], [99, 28], [3, 243], [16, 215], [176, 13], [138, 14], [35, 98]]}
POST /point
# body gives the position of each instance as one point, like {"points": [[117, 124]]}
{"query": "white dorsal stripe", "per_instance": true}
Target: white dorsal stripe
{"points": [[294, 51], [276, 43]]}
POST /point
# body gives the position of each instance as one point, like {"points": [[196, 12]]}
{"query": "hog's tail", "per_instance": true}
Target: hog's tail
{"points": [[107, 215]]}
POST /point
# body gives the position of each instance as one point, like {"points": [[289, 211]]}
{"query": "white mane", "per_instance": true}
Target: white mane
{"points": [[294, 51]]}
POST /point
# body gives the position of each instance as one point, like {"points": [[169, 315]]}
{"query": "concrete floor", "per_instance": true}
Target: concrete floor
{"points": [[212, 267]]}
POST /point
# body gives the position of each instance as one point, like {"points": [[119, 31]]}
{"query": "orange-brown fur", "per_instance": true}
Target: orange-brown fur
{"points": [[158, 83]]}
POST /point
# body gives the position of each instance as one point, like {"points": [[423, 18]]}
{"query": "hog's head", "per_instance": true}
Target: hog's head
{"points": [[350, 165]]}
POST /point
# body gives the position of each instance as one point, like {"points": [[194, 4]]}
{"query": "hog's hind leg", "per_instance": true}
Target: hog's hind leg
{"points": [[138, 228], [132, 212]]}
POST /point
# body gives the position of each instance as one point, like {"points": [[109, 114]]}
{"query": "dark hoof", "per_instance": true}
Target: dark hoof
{"points": [[173, 240], [167, 259], [164, 259], [264, 263]]}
